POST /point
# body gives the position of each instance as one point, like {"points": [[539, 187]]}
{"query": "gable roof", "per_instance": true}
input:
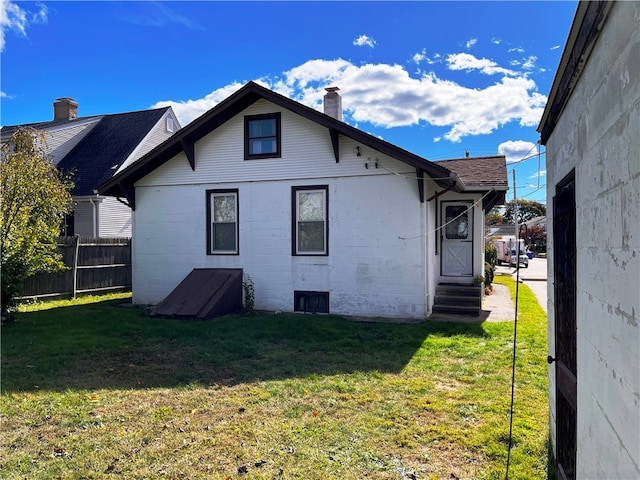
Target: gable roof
{"points": [[7, 130], [183, 141], [105, 148], [480, 174]]}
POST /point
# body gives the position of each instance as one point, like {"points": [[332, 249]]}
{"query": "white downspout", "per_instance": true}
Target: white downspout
{"points": [[427, 250], [94, 217]]}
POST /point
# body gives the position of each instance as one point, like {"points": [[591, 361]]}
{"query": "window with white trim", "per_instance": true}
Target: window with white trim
{"points": [[310, 228], [222, 221]]}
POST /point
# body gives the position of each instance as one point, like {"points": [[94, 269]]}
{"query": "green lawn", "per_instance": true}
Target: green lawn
{"points": [[94, 390]]}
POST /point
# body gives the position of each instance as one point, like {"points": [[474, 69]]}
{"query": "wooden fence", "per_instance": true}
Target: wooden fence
{"points": [[95, 266]]}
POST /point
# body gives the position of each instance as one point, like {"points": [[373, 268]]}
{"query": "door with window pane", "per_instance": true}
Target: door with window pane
{"points": [[457, 239]]}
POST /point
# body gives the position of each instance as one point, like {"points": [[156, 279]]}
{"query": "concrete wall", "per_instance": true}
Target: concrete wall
{"points": [[377, 263], [598, 135]]}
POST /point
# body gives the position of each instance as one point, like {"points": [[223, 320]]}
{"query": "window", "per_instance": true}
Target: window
{"points": [[457, 222], [311, 302], [262, 136], [170, 126], [310, 230], [222, 221]]}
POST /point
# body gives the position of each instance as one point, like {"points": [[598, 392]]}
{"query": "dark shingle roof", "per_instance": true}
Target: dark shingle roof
{"points": [[480, 172], [104, 149]]}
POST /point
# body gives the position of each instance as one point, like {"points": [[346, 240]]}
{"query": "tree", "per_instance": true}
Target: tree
{"points": [[34, 198], [537, 239], [527, 209], [494, 217]]}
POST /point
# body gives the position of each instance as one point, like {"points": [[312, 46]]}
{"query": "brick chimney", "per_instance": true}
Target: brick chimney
{"points": [[333, 103], [65, 108]]}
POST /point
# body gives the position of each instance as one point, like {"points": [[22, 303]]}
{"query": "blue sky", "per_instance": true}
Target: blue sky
{"points": [[435, 78]]}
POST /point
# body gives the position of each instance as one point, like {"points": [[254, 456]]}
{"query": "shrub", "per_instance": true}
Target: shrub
{"points": [[249, 295], [489, 271], [490, 253]]}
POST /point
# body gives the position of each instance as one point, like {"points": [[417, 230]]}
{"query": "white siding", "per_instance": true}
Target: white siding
{"points": [[598, 135], [60, 140], [83, 214], [155, 137], [306, 153], [114, 218]]}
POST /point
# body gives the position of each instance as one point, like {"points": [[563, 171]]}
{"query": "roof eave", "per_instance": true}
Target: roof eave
{"points": [[587, 24], [236, 103]]}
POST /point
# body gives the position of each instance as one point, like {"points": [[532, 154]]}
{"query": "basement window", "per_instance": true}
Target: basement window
{"points": [[310, 302]]}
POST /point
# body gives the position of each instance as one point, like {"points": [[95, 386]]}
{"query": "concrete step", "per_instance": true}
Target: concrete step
{"points": [[458, 299]]}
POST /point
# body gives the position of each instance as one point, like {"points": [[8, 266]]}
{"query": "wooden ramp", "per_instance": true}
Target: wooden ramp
{"points": [[205, 293]]}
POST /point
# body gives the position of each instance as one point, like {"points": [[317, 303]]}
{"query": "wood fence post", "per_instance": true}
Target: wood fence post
{"points": [[76, 240]]}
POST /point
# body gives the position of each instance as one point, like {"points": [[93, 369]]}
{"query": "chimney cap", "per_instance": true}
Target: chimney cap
{"points": [[331, 89], [67, 100]]}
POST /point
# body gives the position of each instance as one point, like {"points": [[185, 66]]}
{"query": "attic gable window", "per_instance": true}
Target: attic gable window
{"points": [[262, 136]]}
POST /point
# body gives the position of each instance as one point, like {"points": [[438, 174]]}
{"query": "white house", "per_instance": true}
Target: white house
{"points": [[320, 215], [591, 129], [95, 148]]}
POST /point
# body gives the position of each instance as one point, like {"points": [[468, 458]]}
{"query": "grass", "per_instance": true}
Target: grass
{"points": [[94, 390]]}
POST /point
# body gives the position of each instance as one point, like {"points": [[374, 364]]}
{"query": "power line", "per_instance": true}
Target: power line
{"points": [[474, 204]]}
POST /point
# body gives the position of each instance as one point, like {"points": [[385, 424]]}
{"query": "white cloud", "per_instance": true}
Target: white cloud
{"points": [[539, 174], [466, 61], [496, 41], [385, 95], [188, 110], [364, 41], [15, 19], [471, 42], [158, 14], [516, 49], [420, 56], [555, 47], [516, 150], [530, 62]]}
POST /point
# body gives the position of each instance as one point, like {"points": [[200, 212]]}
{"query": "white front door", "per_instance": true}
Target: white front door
{"points": [[457, 239]]}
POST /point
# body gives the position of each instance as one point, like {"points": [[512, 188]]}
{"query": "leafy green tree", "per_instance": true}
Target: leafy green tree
{"points": [[527, 209], [34, 198]]}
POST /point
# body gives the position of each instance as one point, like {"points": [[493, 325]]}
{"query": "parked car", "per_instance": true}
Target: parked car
{"points": [[523, 257]]}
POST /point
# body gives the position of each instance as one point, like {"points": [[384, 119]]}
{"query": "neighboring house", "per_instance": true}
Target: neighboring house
{"points": [[591, 129], [320, 215], [96, 148], [537, 222]]}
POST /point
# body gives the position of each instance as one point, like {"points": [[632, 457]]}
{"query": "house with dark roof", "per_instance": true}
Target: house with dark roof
{"points": [[94, 149], [319, 215], [591, 130]]}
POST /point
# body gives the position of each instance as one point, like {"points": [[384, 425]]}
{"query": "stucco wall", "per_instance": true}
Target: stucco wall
{"points": [[598, 135]]}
